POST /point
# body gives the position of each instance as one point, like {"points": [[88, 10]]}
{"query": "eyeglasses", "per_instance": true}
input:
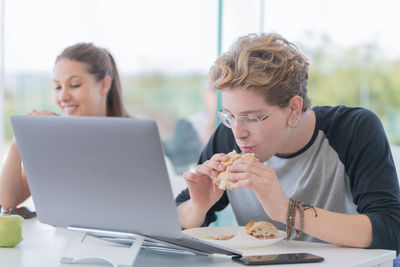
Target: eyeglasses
{"points": [[252, 124]]}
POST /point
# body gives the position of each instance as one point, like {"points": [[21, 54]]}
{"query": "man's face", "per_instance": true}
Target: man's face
{"points": [[273, 134]]}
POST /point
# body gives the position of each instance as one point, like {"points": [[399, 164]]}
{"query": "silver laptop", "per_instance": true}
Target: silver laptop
{"points": [[102, 174]]}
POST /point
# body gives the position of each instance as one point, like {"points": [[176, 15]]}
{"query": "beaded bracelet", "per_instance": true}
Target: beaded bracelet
{"points": [[290, 220]]}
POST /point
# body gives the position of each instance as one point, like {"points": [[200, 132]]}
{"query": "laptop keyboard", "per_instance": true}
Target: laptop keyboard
{"points": [[197, 244]]}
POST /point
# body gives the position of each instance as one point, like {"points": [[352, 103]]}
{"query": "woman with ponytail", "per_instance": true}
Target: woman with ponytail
{"points": [[86, 83]]}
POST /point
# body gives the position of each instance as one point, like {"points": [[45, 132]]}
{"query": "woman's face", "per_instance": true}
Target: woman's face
{"points": [[77, 92], [274, 133]]}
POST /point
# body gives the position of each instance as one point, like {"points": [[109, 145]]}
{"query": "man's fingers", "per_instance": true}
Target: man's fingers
{"points": [[190, 176], [242, 183], [220, 157], [204, 169], [247, 165], [238, 176]]}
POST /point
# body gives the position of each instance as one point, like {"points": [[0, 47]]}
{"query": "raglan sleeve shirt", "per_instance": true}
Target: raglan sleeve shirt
{"points": [[360, 141], [363, 148]]}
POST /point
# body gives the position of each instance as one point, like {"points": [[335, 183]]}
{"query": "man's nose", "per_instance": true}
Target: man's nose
{"points": [[239, 130]]}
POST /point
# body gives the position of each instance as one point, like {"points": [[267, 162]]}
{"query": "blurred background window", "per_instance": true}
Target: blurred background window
{"points": [[164, 49], [353, 48]]}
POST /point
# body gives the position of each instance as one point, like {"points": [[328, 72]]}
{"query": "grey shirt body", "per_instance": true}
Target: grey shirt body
{"points": [[316, 177]]}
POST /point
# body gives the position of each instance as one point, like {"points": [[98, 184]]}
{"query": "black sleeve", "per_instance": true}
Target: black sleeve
{"points": [[366, 154], [375, 184], [222, 141]]}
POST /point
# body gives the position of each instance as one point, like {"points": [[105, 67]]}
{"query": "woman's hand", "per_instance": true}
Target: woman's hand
{"points": [[43, 112], [203, 193], [251, 173]]}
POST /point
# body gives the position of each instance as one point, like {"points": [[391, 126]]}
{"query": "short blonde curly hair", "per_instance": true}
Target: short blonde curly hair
{"points": [[265, 63]]}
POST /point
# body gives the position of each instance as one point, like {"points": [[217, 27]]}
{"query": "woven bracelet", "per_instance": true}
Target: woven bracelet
{"points": [[301, 206]]}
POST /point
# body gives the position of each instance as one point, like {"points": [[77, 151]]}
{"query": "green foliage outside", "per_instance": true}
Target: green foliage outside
{"points": [[347, 76], [179, 96]]}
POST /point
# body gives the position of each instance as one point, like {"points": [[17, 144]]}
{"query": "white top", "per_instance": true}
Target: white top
{"points": [[44, 245]]}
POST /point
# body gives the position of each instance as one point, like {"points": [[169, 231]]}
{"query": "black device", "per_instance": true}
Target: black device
{"points": [[22, 211], [278, 259]]}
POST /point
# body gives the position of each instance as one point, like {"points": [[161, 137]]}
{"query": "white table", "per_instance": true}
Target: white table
{"points": [[43, 245]]}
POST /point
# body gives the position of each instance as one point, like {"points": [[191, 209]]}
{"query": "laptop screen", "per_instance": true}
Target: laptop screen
{"points": [[102, 173]]}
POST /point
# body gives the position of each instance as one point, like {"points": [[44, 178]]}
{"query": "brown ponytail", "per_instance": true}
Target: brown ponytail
{"points": [[115, 106]]}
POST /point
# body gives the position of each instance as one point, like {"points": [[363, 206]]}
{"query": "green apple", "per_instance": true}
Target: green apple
{"points": [[10, 230]]}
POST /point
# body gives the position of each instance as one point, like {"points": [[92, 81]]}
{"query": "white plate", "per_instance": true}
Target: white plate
{"points": [[240, 240]]}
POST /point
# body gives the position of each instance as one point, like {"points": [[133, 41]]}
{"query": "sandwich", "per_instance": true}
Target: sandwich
{"points": [[220, 180], [261, 230]]}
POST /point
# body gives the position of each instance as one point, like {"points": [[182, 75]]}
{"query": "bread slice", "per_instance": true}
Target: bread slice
{"points": [[220, 180], [262, 230]]}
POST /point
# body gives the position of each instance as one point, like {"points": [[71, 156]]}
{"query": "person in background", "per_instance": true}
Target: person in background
{"points": [[86, 83], [204, 122], [192, 133], [325, 172], [184, 147]]}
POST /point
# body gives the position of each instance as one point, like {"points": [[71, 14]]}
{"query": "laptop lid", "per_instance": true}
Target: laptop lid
{"points": [[98, 173], [102, 174]]}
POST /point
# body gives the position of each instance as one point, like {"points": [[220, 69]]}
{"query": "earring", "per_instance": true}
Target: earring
{"points": [[293, 121]]}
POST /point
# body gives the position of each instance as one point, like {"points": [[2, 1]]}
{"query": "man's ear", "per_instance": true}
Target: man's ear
{"points": [[106, 85], [296, 105]]}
